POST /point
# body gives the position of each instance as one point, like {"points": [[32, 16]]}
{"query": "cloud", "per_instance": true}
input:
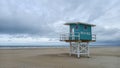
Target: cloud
{"points": [[45, 18], [17, 27], [107, 34]]}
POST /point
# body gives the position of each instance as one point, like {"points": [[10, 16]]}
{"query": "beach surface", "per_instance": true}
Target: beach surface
{"points": [[100, 57]]}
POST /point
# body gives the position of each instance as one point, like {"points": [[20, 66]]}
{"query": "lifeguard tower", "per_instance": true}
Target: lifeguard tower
{"points": [[79, 36]]}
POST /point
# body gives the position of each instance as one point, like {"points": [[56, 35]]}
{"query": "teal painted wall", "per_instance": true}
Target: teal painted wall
{"points": [[83, 30]]}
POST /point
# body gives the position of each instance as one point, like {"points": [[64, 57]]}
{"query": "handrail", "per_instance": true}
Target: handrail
{"points": [[70, 36], [73, 36], [93, 37]]}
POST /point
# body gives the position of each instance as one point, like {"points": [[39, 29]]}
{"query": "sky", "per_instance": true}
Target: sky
{"points": [[39, 22]]}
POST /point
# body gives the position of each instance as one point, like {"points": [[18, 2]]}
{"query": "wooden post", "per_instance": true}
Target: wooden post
{"points": [[70, 49], [78, 50], [88, 49]]}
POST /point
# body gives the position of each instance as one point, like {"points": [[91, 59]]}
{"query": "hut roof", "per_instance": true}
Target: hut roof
{"points": [[79, 23]]}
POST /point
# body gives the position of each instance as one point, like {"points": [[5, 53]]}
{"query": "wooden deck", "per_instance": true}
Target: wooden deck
{"points": [[79, 40]]}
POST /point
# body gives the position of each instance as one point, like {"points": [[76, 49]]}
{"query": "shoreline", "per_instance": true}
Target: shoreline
{"points": [[37, 47]]}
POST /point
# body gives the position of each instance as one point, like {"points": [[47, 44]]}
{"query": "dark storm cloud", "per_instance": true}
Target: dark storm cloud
{"points": [[16, 27]]}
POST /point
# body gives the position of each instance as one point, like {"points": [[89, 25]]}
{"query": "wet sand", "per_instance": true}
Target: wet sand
{"points": [[102, 57]]}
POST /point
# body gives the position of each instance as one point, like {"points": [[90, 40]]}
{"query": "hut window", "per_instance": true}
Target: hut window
{"points": [[76, 26], [85, 27]]}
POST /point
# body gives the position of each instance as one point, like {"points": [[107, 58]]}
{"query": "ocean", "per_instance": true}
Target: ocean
{"points": [[47, 46], [31, 46]]}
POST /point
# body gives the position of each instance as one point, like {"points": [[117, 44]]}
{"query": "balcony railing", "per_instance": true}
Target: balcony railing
{"points": [[75, 36], [69, 36], [93, 37]]}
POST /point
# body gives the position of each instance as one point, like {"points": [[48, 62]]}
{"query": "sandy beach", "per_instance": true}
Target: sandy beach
{"points": [[101, 57]]}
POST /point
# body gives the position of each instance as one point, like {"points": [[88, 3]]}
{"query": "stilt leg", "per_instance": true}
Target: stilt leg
{"points": [[88, 49], [70, 49], [78, 50]]}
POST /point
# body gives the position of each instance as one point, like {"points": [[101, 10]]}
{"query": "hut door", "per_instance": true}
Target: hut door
{"points": [[73, 33], [72, 30]]}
